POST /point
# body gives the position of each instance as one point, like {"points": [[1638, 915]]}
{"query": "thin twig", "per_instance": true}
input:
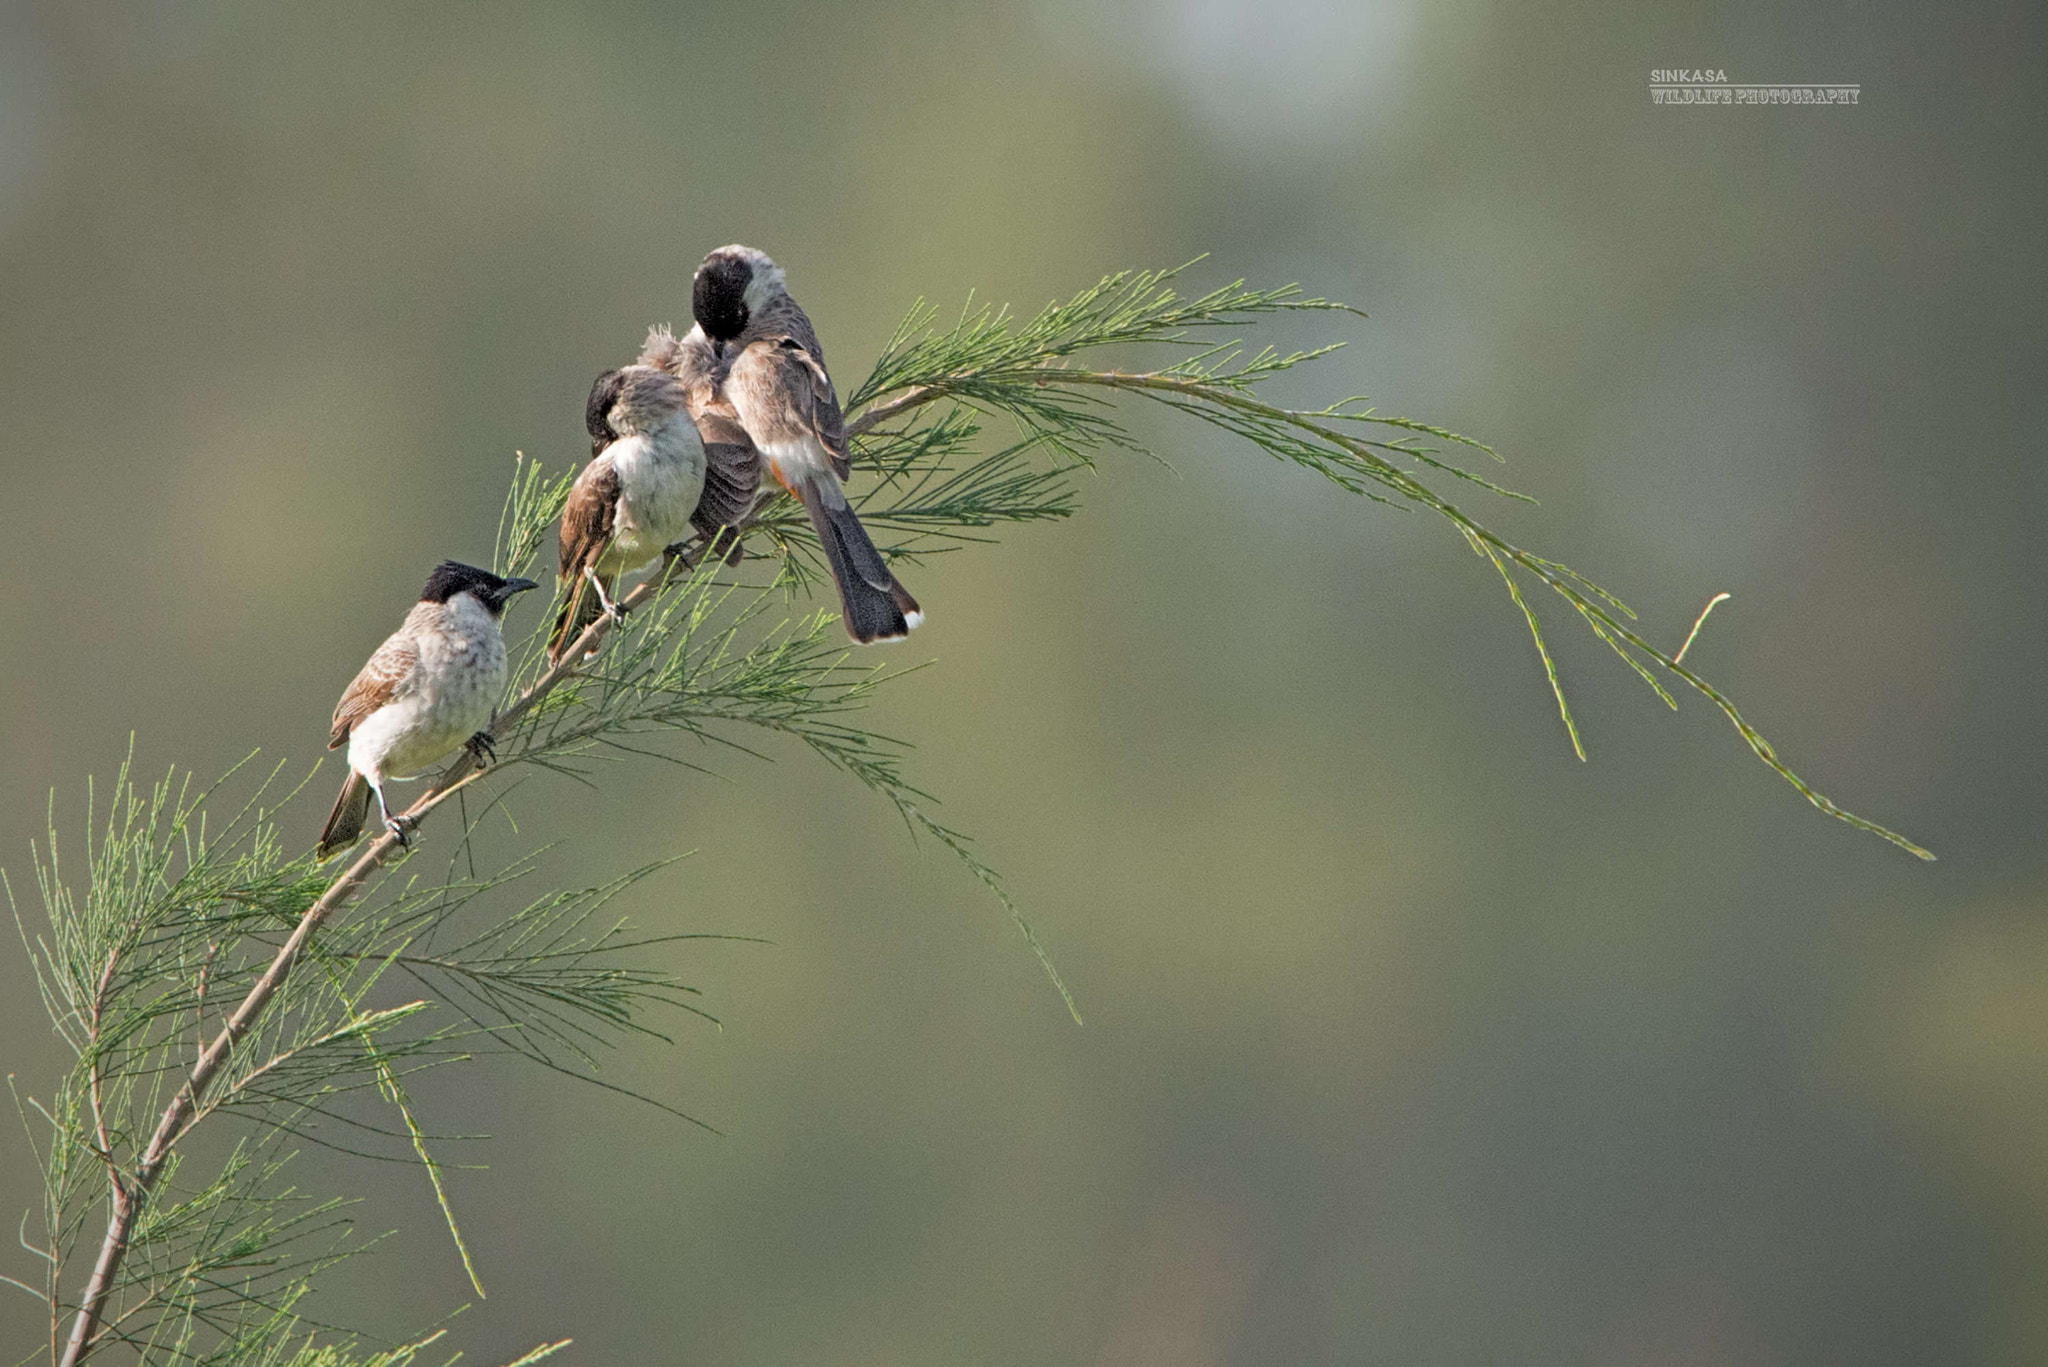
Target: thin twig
{"points": [[909, 398], [1698, 622], [92, 1072], [199, 999]]}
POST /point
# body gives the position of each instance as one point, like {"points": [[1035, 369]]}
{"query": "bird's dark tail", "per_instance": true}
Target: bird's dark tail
{"points": [[579, 610], [345, 822], [874, 606]]}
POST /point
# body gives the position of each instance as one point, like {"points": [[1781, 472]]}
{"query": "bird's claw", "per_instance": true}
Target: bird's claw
{"points": [[482, 749], [728, 544], [401, 829]]}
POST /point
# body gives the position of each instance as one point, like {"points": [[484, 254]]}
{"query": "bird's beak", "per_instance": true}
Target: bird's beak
{"points": [[513, 586]]}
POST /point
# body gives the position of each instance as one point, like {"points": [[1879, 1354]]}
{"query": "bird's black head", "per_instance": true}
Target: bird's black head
{"points": [[451, 577], [718, 297], [604, 393]]}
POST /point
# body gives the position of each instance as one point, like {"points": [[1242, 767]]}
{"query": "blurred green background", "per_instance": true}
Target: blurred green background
{"points": [[1410, 1039]]}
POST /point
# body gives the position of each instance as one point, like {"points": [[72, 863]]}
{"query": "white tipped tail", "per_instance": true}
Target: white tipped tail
{"points": [[874, 606]]}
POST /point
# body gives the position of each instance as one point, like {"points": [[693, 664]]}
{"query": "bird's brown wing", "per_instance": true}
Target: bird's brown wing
{"points": [[587, 516], [792, 396], [782, 320], [587, 519], [379, 682], [825, 415], [732, 467]]}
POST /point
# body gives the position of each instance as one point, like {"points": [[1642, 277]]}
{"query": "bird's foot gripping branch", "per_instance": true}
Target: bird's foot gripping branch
{"points": [[203, 968]]}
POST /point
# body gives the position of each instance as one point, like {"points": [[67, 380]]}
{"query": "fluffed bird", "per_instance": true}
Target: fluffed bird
{"points": [[636, 496], [774, 376], [732, 467], [429, 689]]}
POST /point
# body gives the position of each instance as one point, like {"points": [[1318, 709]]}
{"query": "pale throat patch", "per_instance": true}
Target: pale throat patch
{"points": [[468, 615], [763, 284]]}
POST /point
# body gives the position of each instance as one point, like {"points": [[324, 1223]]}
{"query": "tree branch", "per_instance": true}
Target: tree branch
{"points": [[910, 398]]}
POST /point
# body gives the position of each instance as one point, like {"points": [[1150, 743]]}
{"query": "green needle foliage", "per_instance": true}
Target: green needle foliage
{"points": [[227, 999], [1032, 372], [179, 914]]}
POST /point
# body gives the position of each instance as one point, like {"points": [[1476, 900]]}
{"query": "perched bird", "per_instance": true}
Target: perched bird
{"points": [[431, 687], [774, 376], [732, 467], [636, 496]]}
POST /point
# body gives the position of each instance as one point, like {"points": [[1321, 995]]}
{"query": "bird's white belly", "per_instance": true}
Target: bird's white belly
{"points": [[660, 480], [426, 724], [796, 462]]}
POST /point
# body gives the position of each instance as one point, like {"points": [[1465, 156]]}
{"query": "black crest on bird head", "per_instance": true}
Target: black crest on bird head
{"points": [[451, 577], [604, 393], [718, 297]]}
